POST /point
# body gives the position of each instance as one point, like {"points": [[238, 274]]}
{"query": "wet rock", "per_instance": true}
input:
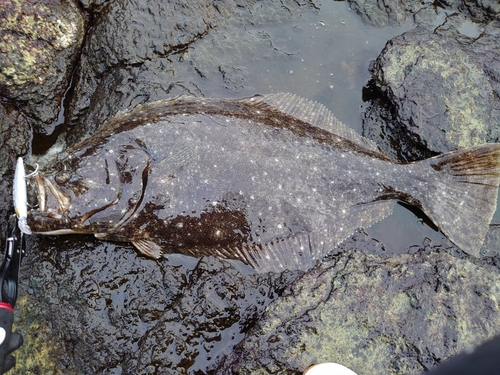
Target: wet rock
{"points": [[478, 10], [394, 13], [15, 134], [96, 307], [383, 13], [94, 6], [39, 42], [126, 314], [436, 90], [127, 35], [375, 314], [139, 51], [491, 246]]}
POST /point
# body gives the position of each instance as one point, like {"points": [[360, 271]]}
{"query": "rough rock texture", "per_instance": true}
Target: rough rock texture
{"points": [[152, 59], [119, 313], [384, 13], [109, 76], [438, 90], [39, 43], [381, 13], [478, 10], [15, 133], [375, 314]]}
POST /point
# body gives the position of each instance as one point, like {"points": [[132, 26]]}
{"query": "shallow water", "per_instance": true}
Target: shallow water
{"points": [[320, 54]]}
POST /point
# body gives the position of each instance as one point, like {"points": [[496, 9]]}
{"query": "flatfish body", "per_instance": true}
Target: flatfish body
{"points": [[274, 181]]}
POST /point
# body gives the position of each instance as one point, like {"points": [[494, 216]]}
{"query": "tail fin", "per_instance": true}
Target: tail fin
{"points": [[462, 198]]}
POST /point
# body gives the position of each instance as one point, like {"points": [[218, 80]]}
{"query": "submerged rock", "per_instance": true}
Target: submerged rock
{"points": [[381, 13]]}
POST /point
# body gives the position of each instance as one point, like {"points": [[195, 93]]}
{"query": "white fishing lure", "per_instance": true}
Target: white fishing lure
{"points": [[21, 197]]}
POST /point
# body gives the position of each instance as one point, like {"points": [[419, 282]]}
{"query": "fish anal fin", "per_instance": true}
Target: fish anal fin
{"points": [[304, 250], [292, 253], [148, 248]]}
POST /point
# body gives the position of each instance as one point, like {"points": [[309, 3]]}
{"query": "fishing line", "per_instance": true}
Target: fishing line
{"points": [[32, 174]]}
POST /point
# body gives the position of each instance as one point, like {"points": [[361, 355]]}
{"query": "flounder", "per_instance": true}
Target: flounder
{"points": [[274, 181]]}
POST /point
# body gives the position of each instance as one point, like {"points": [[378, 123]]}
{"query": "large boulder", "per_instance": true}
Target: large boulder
{"points": [[40, 42], [435, 90], [376, 314]]}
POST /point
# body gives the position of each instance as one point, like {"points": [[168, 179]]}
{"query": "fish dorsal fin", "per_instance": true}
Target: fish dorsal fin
{"points": [[315, 114]]}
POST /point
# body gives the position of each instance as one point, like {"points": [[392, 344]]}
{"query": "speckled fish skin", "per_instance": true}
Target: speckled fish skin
{"points": [[274, 181]]}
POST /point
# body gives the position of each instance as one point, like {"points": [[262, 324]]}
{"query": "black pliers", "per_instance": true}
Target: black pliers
{"points": [[15, 249]]}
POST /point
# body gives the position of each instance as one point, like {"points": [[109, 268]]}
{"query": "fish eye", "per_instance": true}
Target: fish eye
{"points": [[62, 177]]}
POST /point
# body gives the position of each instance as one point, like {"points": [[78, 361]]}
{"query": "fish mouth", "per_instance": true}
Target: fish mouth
{"points": [[55, 204]]}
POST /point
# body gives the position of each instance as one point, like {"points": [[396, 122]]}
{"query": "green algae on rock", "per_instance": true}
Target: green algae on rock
{"points": [[41, 343], [401, 314], [440, 88], [39, 42]]}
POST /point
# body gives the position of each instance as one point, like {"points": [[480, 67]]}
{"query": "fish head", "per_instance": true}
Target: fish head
{"points": [[89, 193]]}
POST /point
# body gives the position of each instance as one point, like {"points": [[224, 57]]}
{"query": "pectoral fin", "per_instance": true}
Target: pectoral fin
{"points": [[148, 248]]}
